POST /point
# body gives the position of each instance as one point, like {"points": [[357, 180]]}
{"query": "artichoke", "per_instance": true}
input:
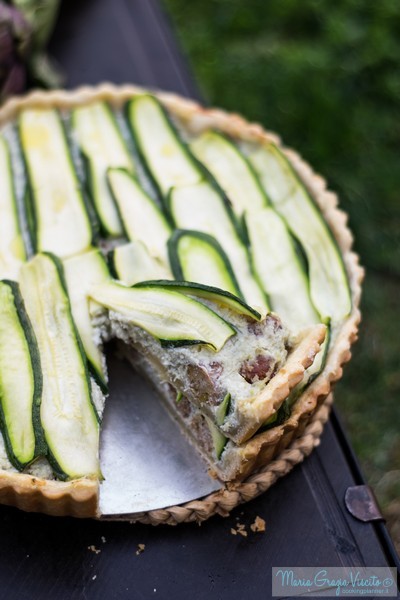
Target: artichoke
{"points": [[15, 41], [25, 27]]}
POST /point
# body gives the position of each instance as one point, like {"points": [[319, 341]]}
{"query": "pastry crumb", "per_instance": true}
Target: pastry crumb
{"points": [[94, 549], [140, 549], [240, 529], [94, 577], [103, 539], [258, 526]]}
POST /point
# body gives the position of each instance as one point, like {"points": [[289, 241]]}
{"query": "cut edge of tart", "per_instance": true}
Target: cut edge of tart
{"points": [[80, 497], [238, 459]]}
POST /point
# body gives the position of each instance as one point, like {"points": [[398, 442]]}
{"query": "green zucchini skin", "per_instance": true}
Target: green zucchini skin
{"points": [[58, 201], [28, 199], [30, 362], [30, 218], [111, 264], [64, 410], [208, 292], [218, 438], [178, 258], [223, 409], [278, 418], [165, 343], [86, 189]]}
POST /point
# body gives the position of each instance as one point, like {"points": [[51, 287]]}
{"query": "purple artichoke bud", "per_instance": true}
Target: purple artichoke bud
{"points": [[15, 37]]}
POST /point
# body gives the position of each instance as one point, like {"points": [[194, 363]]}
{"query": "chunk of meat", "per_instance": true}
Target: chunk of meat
{"points": [[258, 368], [204, 381]]}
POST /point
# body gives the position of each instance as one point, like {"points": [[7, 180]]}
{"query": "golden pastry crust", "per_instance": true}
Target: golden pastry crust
{"points": [[77, 498], [80, 498]]}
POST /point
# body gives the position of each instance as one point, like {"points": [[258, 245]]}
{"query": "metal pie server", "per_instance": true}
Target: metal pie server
{"points": [[146, 461]]}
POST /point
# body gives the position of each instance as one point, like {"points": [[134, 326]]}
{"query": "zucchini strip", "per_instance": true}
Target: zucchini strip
{"points": [[231, 170], [141, 218], [132, 263], [200, 207], [81, 272], [171, 317], [102, 145], [67, 414], [208, 293], [20, 380], [329, 286], [12, 250], [218, 439], [279, 270], [165, 156], [61, 222], [196, 256]]}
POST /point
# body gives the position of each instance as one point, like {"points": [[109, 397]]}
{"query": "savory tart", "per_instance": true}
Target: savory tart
{"points": [[213, 255]]}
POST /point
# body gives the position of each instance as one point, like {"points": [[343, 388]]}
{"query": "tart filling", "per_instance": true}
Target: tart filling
{"points": [[202, 197]]}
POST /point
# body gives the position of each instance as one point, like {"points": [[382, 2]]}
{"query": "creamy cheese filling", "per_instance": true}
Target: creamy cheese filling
{"points": [[242, 368]]}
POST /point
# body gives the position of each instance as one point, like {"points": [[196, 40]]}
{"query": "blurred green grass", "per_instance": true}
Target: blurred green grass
{"points": [[326, 77]]}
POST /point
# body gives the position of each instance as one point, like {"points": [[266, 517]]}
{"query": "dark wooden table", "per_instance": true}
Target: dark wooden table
{"points": [[307, 523]]}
